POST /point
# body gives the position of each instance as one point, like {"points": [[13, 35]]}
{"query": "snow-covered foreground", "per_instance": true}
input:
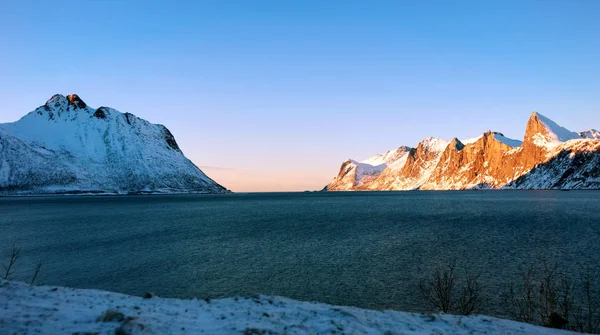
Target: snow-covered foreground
{"points": [[26, 309]]}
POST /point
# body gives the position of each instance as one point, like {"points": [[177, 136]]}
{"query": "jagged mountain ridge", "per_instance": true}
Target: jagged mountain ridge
{"points": [[357, 174], [591, 134], [549, 157], [65, 146]]}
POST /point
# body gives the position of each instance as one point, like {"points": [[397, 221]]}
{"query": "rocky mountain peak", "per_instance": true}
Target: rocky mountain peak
{"points": [[456, 144], [590, 134], [534, 127], [541, 129], [76, 101], [56, 102], [56, 98], [433, 144]]}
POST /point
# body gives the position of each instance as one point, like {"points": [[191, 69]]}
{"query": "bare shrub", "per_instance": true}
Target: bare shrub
{"points": [[552, 299], [519, 301], [36, 272], [470, 297], [12, 259], [441, 294], [548, 296], [437, 291], [13, 256], [586, 314]]}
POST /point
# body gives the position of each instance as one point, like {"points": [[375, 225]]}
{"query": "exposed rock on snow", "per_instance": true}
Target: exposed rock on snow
{"points": [[355, 174], [65, 146], [591, 134], [417, 169], [550, 157], [56, 310]]}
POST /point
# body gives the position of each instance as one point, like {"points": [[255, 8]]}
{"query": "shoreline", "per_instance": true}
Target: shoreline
{"points": [[107, 194]]}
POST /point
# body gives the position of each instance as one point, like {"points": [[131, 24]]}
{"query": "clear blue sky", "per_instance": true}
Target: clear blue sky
{"points": [[274, 95]]}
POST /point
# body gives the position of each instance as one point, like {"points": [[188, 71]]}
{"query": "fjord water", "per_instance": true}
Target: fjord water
{"points": [[367, 249]]}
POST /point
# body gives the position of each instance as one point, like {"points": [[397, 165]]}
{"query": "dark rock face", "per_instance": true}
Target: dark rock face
{"points": [[170, 139], [128, 116], [100, 113], [76, 101], [343, 169], [456, 144]]}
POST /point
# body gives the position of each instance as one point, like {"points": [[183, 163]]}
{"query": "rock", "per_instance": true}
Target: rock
{"points": [[76, 101], [111, 316], [100, 113]]}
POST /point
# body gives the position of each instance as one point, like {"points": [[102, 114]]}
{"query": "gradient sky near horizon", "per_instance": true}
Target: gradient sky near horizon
{"points": [[275, 95]]}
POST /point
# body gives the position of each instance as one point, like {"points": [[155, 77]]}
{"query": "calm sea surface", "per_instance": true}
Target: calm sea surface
{"points": [[363, 249]]}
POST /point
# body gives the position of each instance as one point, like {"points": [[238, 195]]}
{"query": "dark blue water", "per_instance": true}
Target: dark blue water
{"points": [[362, 249]]}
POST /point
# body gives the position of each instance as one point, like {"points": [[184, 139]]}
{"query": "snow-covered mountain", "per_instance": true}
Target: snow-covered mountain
{"points": [[65, 146], [549, 157], [592, 134], [356, 174]]}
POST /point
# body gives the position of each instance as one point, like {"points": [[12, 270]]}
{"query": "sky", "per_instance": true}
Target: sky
{"points": [[275, 95]]}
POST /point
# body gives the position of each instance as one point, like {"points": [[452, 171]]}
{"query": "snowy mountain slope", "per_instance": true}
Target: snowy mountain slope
{"points": [[470, 140], [30, 309], [544, 132], [571, 165], [386, 158], [419, 166], [590, 134], [550, 157], [355, 174], [508, 141], [66, 146]]}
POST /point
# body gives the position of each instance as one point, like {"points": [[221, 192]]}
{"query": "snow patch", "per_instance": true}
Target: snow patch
{"points": [[471, 140], [434, 144], [399, 163], [555, 132], [386, 158], [367, 169], [508, 141], [590, 134]]}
